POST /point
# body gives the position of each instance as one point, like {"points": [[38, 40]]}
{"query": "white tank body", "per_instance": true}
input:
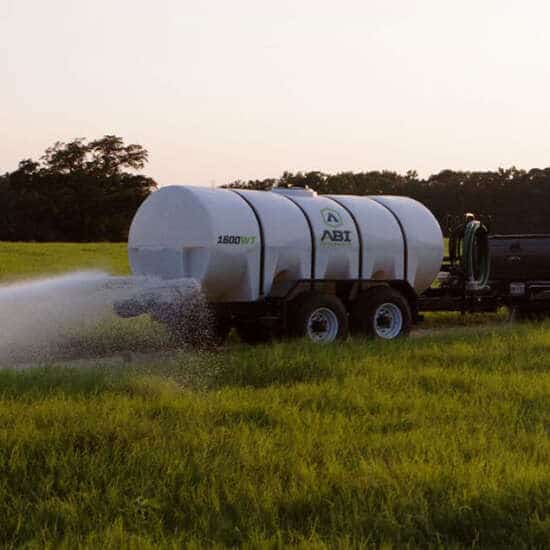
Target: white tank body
{"points": [[422, 236], [335, 237], [401, 238], [287, 241], [175, 234], [238, 243], [382, 241]]}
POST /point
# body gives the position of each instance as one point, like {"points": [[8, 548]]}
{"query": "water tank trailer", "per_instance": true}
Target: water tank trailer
{"points": [[287, 262]]}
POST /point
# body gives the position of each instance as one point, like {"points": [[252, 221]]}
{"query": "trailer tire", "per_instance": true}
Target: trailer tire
{"points": [[382, 313], [320, 317]]}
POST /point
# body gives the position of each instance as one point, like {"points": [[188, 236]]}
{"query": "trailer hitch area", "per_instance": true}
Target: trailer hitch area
{"points": [[156, 299]]}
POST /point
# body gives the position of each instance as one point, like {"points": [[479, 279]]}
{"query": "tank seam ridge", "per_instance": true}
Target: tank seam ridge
{"points": [[357, 228], [403, 234], [262, 238], [311, 232]]}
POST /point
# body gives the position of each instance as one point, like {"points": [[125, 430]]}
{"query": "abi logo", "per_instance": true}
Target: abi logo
{"points": [[336, 236], [331, 217]]}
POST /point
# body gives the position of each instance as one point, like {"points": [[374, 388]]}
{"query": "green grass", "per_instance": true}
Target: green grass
{"points": [[440, 440], [431, 441], [30, 260]]}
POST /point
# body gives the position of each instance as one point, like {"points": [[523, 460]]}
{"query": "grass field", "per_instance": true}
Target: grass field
{"points": [[440, 440], [28, 260]]}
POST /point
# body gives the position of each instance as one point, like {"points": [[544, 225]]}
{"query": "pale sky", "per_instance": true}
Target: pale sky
{"points": [[220, 90]]}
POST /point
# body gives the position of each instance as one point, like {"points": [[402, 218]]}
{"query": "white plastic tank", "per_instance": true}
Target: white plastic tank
{"points": [[238, 243]]}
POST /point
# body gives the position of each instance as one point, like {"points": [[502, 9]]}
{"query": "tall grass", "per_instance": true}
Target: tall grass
{"points": [[440, 440]]}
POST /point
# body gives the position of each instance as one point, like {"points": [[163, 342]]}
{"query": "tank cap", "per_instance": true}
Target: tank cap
{"points": [[295, 191]]}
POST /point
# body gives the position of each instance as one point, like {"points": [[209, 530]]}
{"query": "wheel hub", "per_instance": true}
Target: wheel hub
{"points": [[388, 321], [323, 325]]}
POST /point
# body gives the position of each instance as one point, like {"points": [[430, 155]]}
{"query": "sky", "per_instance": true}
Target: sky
{"points": [[241, 89]]}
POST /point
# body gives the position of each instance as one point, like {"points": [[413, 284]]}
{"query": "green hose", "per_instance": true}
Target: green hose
{"points": [[476, 257]]}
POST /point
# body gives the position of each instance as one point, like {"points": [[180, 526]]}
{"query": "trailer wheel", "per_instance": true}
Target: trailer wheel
{"points": [[381, 313], [320, 317]]}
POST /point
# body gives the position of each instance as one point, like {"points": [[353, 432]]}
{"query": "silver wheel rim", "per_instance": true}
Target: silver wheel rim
{"points": [[388, 321], [322, 325]]}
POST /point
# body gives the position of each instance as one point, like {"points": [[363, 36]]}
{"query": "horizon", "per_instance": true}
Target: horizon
{"points": [[218, 93]]}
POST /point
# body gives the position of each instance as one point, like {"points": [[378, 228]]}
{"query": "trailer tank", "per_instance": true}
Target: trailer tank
{"points": [[239, 244]]}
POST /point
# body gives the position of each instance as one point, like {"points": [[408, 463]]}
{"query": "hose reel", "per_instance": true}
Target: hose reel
{"points": [[469, 248]]}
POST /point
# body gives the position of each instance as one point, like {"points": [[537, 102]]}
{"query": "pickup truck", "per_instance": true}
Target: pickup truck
{"points": [[520, 272]]}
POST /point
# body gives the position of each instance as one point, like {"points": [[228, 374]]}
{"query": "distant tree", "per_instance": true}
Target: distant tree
{"points": [[89, 190], [79, 191]]}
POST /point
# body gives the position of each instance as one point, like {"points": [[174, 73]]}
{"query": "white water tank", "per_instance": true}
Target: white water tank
{"points": [[237, 243]]}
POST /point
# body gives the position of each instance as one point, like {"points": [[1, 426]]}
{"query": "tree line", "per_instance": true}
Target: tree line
{"points": [[85, 191], [79, 191], [508, 200]]}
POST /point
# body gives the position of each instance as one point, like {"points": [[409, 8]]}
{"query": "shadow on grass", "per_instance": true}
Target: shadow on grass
{"points": [[504, 346], [42, 381], [288, 363], [140, 374], [521, 347]]}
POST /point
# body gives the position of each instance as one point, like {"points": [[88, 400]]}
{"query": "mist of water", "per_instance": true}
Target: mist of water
{"points": [[38, 315]]}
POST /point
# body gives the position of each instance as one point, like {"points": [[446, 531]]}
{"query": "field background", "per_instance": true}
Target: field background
{"points": [[31, 260], [440, 439]]}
